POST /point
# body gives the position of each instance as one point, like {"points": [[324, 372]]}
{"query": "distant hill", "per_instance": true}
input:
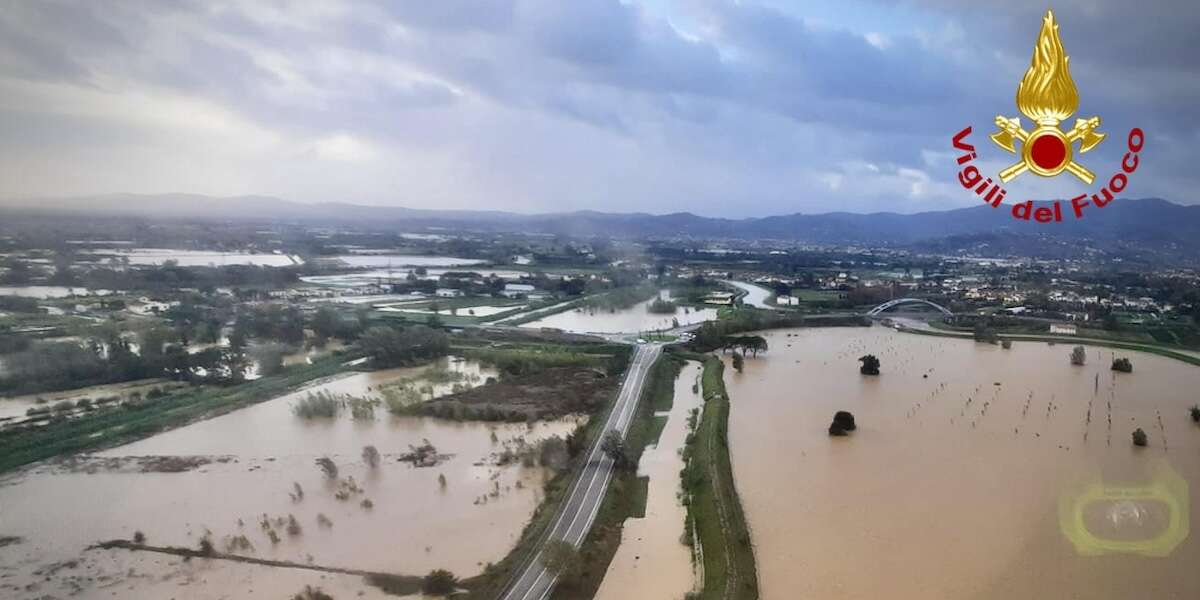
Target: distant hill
{"points": [[1153, 223]]}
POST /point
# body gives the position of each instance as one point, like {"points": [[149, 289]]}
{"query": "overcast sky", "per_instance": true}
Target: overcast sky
{"points": [[720, 108]]}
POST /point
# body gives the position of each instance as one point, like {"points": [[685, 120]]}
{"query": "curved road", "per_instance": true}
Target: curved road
{"points": [[577, 513]]}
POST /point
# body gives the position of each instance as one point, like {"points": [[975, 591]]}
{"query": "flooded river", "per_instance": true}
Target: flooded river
{"points": [[629, 320], [975, 471], [652, 560], [255, 458]]}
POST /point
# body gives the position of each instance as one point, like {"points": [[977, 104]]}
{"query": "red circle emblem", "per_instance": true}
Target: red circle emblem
{"points": [[1048, 152]]}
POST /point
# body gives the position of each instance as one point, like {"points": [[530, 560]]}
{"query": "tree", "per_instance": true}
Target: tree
{"points": [[325, 322], [613, 445], [985, 333], [311, 593], [239, 337], [870, 365], [270, 359], [439, 582], [1140, 438], [738, 361], [1123, 365], [390, 347], [328, 467], [562, 559], [370, 456], [1078, 356], [843, 424]]}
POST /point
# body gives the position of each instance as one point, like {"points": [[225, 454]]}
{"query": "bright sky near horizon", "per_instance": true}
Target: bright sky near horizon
{"points": [[720, 108]]}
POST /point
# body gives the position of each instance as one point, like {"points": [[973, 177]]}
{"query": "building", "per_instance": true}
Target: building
{"points": [[1062, 329], [448, 293], [513, 290]]}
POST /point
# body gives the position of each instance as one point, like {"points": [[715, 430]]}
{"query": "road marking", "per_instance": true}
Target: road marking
{"points": [[626, 398]]}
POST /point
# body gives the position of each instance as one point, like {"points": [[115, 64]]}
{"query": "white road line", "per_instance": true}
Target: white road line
{"points": [[625, 398], [591, 518]]}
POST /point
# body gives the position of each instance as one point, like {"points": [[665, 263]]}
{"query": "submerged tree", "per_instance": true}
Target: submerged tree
{"points": [[870, 365], [439, 582], [1140, 438], [328, 467], [1123, 365], [843, 423], [1078, 356], [1195, 412], [370, 456], [311, 593], [738, 361]]}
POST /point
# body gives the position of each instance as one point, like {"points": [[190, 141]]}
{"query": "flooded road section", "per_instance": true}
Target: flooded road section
{"points": [[258, 464], [652, 560], [628, 320], [975, 472]]}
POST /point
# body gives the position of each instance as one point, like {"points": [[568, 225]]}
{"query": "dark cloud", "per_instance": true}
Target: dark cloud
{"points": [[709, 105]]}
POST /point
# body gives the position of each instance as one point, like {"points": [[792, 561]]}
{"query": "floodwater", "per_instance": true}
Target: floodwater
{"points": [[195, 258], [653, 561], [404, 260], [13, 409], [399, 274], [629, 320], [49, 291], [756, 295], [415, 524], [969, 475], [464, 311]]}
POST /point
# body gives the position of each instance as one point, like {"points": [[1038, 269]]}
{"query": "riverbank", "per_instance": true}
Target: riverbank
{"points": [[714, 510], [1067, 339]]}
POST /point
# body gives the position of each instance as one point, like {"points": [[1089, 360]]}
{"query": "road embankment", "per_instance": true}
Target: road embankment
{"points": [[714, 509]]}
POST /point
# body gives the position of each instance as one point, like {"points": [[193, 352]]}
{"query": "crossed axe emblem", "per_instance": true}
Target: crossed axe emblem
{"points": [[1047, 150]]}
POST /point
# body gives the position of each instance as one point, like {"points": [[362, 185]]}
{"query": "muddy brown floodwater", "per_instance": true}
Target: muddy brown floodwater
{"points": [[652, 560], [257, 455], [627, 320], [969, 475]]}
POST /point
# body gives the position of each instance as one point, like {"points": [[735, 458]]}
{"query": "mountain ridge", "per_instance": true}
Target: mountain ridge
{"points": [[1147, 219]]}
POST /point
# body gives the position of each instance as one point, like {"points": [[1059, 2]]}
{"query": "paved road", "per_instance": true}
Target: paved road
{"points": [[576, 515]]}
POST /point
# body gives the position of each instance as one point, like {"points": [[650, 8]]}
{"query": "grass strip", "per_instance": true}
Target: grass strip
{"points": [[714, 509]]}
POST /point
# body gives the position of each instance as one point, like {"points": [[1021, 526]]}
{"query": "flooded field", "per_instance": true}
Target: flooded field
{"points": [[404, 260], [399, 274], [14, 409], [465, 311], [652, 560], [630, 320], [975, 471], [49, 291], [194, 258], [459, 510]]}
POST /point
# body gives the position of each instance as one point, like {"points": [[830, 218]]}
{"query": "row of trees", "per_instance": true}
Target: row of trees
{"points": [[112, 358]]}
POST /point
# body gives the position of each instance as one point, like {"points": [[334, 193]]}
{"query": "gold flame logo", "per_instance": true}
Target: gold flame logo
{"points": [[1047, 95]]}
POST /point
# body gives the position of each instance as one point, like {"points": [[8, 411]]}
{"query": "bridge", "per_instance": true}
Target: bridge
{"points": [[875, 312]]}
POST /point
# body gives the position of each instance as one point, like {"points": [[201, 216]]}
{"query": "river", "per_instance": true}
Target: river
{"points": [[976, 472], [634, 319]]}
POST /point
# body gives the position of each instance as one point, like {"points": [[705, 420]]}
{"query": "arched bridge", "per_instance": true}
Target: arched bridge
{"points": [[874, 312]]}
